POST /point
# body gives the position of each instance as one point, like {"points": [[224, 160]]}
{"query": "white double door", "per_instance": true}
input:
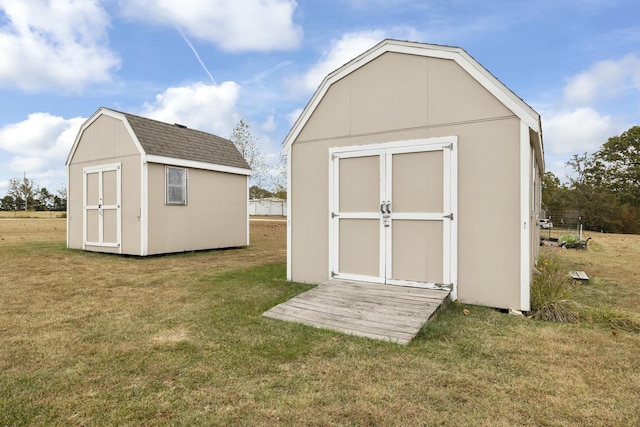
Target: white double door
{"points": [[102, 219], [393, 213]]}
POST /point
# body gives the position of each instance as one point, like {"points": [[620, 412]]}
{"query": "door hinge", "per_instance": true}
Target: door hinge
{"points": [[450, 216], [334, 215], [449, 146]]}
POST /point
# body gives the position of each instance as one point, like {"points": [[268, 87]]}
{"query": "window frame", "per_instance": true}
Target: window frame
{"points": [[184, 185]]}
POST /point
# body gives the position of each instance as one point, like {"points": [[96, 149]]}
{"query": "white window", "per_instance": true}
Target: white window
{"points": [[176, 180]]}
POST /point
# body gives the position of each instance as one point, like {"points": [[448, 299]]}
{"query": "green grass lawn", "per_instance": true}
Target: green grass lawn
{"points": [[93, 339]]}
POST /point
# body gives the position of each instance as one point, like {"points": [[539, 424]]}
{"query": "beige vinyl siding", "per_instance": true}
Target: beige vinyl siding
{"points": [[488, 212], [106, 141], [214, 217]]}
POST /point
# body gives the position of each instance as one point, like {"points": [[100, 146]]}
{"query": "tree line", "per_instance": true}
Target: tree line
{"points": [[603, 193], [24, 194]]}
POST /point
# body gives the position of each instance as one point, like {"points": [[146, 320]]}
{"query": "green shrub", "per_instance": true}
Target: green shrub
{"points": [[552, 291], [569, 241]]}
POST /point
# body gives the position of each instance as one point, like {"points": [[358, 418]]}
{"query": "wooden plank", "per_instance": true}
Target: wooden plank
{"points": [[390, 320], [372, 300], [395, 290], [578, 275], [327, 321], [305, 321], [390, 313]]}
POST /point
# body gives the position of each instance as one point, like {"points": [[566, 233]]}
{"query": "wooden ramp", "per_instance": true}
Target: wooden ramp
{"points": [[384, 312]]}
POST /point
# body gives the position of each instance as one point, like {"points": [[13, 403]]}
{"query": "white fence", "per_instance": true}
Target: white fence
{"points": [[271, 206]]}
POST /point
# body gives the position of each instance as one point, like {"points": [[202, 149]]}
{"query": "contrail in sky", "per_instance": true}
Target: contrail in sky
{"points": [[197, 56]]}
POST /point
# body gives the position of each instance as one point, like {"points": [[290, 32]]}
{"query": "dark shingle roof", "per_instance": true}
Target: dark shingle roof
{"points": [[179, 142]]}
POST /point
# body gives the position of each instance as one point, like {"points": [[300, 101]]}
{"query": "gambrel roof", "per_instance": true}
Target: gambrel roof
{"points": [[160, 142], [520, 108]]}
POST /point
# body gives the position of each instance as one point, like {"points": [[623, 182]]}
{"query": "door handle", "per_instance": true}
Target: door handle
{"points": [[382, 203], [388, 207]]}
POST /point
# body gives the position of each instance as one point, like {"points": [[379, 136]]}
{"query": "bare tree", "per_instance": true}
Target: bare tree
{"points": [[279, 178], [251, 150]]}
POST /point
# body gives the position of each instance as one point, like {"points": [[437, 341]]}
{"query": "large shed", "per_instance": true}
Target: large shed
{"points": [[413, 165], [138, 186]]}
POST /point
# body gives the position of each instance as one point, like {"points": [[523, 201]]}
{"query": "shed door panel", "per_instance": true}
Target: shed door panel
{"points": [[416, 254], [416, 190], [92, 225], [417, 181], [360, 247], [358, 222]]}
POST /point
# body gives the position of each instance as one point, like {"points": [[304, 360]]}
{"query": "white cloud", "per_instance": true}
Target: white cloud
{"points": [[339, 53], [207, 107], [603, 80], [577, 131], [39, 146], [55, 45], [269, 125], [241, 25], [348, 47]]}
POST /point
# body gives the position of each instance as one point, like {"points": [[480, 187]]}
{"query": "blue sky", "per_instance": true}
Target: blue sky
{"points": [[209, 63]]}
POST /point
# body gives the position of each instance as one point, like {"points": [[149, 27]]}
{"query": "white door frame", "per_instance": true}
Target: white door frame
{"points": [[100, 207], [448, 145]]}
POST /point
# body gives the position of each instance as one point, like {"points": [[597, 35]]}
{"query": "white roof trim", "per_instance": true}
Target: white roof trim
{"points": [[171, 161], [462, 58]]}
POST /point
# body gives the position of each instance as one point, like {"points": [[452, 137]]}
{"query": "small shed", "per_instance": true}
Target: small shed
{"points": [[270, 206], [141, 187], [413, 165]]}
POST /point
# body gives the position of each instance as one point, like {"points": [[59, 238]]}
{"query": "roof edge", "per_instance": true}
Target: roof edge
{"points": [[103, 111], [173, 161]]}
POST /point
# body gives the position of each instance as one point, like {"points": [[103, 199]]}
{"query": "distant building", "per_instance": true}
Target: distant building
{"points": [[268, 206]]}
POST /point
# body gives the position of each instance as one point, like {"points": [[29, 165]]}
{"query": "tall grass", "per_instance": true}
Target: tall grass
{"points": [[554, 295], [552, 291]]}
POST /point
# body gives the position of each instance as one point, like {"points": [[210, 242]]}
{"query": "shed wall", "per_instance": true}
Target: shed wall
{"points": [[400, 97], [215, 216], [106, 141]]}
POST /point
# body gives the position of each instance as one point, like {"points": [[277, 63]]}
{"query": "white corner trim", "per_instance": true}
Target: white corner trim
{"points": [[247, 212], [525, 218], [144, 207], [288, 154], [68, 219], [453, 232]]}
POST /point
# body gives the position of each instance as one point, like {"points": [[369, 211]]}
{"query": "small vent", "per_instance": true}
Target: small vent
{"points": [[180, 126]]}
